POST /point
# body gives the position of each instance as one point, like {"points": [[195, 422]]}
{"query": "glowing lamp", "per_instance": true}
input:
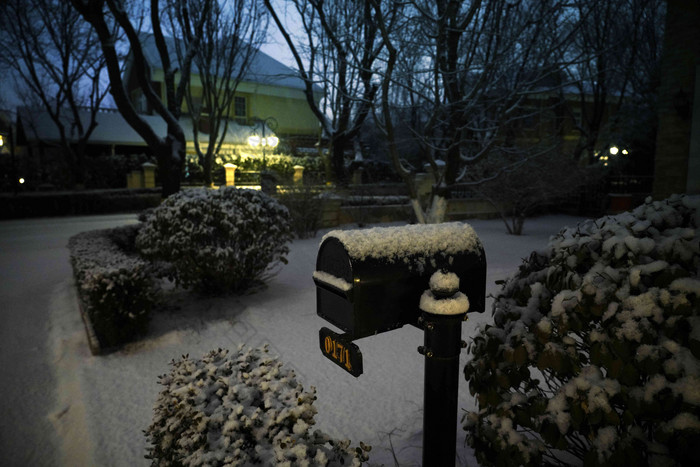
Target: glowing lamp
{"points": [[254, 140], [614, 150]]}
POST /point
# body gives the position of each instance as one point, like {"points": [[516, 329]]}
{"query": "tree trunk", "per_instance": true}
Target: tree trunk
{"points": [[438, 209], [338, 161], [171, 156], [207, 167]]}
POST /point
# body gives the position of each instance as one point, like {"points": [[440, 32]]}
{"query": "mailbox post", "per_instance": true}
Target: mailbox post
{"points": [[444, 310], [376, 280]]}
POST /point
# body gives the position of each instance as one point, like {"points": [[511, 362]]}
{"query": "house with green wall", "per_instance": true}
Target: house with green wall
{"points": [[268, 90]]}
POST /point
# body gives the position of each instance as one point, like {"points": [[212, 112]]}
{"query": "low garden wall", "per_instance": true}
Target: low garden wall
{"points": [[337, 211], [71, 203]]}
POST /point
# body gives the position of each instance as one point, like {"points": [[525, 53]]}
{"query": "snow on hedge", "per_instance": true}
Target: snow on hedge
{"points": [[217, 240], [594, 349], [114, 284], [240, 408]]}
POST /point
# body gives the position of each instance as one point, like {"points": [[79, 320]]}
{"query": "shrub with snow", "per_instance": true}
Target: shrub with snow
{"points": [[242, 408], [115, 285], [594, 352], [217, 240]]}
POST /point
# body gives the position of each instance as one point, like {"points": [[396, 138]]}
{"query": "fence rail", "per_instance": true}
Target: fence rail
{"points": [[630, 184]]}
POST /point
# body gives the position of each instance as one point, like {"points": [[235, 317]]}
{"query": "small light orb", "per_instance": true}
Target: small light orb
{"points": [[21, 181], [614, 150], [254, 141], [625, 152]]}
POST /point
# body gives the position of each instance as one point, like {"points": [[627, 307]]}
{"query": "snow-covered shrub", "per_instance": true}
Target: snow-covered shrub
{"points": [[240, 408], [217, 240], [593, 355], [115, 286]]}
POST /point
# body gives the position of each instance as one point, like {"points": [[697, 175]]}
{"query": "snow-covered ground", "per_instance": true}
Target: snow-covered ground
{"points": [[98, 406]]}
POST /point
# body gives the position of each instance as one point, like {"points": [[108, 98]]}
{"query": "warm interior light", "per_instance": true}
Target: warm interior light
{"points": [[254, 141], [614, 150]]}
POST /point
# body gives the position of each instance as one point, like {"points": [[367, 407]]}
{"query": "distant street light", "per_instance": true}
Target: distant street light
{"points": [[271, 141], [268, 183]]}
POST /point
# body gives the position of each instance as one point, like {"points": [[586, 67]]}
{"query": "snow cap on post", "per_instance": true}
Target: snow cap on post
{"points": [[444, 297]]}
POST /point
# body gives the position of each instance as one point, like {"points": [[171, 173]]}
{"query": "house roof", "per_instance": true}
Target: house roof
{"points": [[263, 69], [113, 129]]}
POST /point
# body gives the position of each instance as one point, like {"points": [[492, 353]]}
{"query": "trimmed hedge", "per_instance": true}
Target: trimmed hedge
{"points": [[593, 356], [115, 286], [243, 408]]}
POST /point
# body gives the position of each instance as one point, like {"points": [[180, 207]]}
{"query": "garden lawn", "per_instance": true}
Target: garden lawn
{"points": [[106, 402]]}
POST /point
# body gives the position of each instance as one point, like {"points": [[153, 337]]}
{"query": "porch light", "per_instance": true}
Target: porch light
{"points": [[272, 141]]}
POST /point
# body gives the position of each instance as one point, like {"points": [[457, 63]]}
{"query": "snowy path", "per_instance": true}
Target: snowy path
{"points": [[33, 267], [100, 405]]}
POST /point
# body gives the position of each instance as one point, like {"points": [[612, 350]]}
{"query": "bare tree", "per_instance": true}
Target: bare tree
{"points": [[478, 63], [620, 43], [527, 184], [56, 56], [339, 51], [232, 34], [102, 15]]}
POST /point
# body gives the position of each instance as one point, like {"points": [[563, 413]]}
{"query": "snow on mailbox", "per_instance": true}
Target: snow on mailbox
{"points": [[371, 281]]}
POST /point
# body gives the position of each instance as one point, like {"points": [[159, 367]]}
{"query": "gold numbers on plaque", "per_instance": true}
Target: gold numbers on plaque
{"points": [[337, 351]]}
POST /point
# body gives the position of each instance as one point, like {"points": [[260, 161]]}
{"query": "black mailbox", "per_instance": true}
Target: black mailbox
{"points": [[370, 281]]}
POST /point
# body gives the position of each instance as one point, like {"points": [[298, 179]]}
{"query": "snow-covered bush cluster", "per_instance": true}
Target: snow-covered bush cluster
{"points": [[217, 240], [240, 408], [115, 286], [594, 353]]}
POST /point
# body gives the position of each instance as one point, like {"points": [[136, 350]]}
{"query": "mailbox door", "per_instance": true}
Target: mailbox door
{"points": [[333, 304], [334, 307]]}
